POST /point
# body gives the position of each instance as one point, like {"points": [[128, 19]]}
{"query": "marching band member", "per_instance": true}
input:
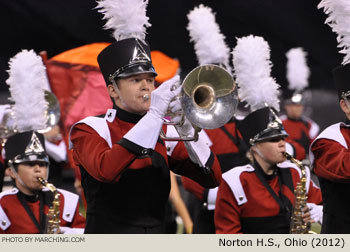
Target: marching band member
{"points": [[300, 128], [24, 208], [329, 153], [124, 164], [258, 197]]}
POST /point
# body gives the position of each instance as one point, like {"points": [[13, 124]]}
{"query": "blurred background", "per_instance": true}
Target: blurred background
{"points": [[59, 25]]}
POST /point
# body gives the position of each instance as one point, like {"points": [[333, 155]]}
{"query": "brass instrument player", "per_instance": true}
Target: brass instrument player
{"points": [[124, 164]]}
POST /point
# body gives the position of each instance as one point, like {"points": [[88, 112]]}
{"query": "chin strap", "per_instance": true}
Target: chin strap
{"points": [[257, 151], [18, 178], [116, 89]]}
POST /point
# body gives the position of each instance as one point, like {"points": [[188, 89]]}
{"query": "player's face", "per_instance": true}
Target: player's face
{"points": [[272, 150], [27, 176], [294, 111], [132, 90]]}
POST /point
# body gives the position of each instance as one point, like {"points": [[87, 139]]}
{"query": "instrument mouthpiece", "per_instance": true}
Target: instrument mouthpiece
{"points": [[145, 97]]}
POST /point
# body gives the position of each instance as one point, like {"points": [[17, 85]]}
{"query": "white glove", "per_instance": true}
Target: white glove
{"points": [[186, 128], [162, 96], [68, 230], [316, 212]]}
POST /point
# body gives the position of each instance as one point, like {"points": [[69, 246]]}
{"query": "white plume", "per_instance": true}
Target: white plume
{"points": [[252, 69], [339, 20], [27, 80], [209, 42], [297, 70], [127, 18]]}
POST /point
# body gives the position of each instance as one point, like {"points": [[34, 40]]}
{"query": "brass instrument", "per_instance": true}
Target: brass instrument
{"points": [[297, 224], [53, 215], [208, 99], [8, 125]]}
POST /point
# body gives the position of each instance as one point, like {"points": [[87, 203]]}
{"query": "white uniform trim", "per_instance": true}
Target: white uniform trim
{"points": [[99, 125], [288, 164], [232, 179], [289, 149], [314, 129], [5, 223], [70, 204], [170, 145], [171, 132], [212, 194], [332, 133], [57, 152]]}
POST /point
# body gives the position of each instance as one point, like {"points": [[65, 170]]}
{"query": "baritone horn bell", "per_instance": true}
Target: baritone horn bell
{"points": [[208, 99], [8, 125]]}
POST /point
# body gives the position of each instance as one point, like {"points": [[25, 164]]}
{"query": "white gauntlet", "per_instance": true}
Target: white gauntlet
{"points": [[316, 212]]}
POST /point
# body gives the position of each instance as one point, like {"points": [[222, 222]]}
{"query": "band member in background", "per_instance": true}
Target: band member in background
{"points": [[226, 141], [125, 166], [300, 128], [258, 197]]}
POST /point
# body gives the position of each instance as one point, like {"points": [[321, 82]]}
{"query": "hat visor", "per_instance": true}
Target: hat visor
{"points": [[28, 157], [138, 69], [273, 133]]}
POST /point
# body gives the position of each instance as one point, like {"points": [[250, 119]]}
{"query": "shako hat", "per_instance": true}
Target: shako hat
{"points": [[24, 147], [130, 54], [252, 69], [297, 75], [341, 77], [261, 125], [27, 78], [338, 12]]}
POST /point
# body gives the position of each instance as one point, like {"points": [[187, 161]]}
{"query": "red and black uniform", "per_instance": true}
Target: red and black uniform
{"points": [[249, 201], [331, 163], [17, 211], [127, 186], [302, 131], [230, 149]]}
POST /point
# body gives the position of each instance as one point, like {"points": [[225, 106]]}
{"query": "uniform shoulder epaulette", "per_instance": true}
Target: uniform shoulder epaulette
{"points": [[232, 178], [71, 201], [99, 125], [332, 133]]}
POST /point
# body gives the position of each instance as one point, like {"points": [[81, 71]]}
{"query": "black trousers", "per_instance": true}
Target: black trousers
{"points": [[333, 225], [101, 225]]}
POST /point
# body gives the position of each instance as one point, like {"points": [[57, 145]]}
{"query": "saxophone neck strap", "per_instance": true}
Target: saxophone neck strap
{"points": [[41, 224], [280, 198]]}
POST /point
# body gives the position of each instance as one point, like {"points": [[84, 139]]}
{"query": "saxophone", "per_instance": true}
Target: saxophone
{"points": [[53, 215], [297, 225]]}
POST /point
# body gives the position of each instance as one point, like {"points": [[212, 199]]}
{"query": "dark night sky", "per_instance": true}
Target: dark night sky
{"points": [[59, 25]]}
